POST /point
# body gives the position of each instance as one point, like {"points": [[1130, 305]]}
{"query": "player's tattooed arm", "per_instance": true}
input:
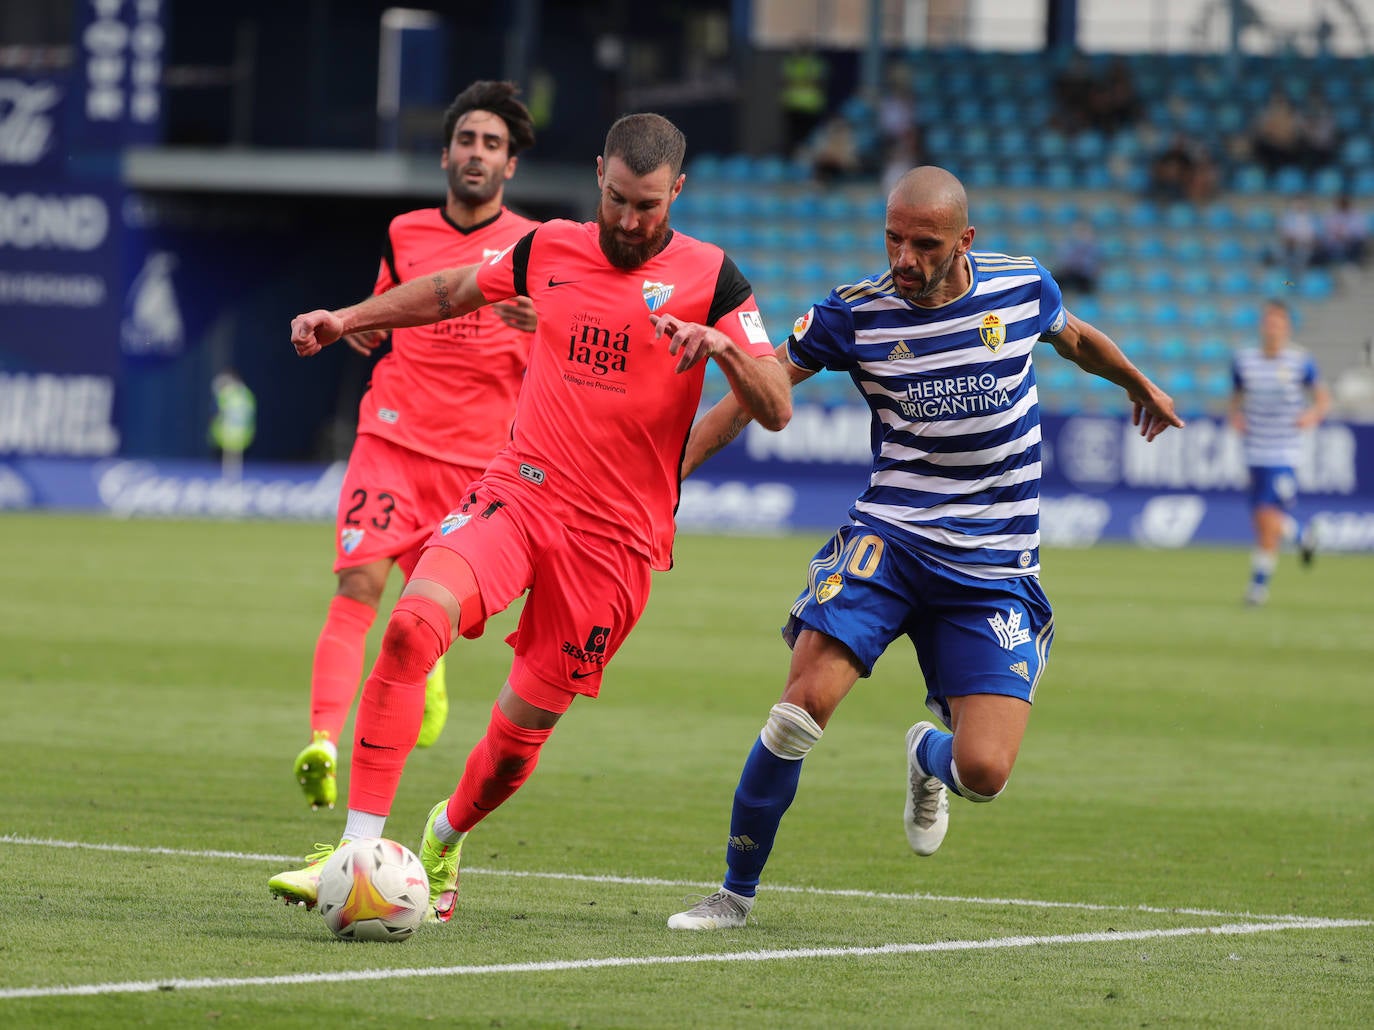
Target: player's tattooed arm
{"points": [[710, 447], [441, 296]]}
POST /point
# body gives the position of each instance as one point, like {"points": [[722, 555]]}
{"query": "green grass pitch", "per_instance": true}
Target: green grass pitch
{"points": [[1187, 839]]}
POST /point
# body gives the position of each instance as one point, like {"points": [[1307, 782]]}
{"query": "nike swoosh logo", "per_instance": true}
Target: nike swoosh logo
{"points": [[560, 282], [578, 674], [375, 747], [482, 808]]}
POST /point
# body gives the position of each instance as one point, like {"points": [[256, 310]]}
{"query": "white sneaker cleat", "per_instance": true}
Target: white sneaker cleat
{"points": [[1256, 595], [721, 911], [927, 802]]}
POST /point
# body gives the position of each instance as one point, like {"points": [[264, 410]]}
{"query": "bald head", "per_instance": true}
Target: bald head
{"points": [[927, 235], [931, 187]]}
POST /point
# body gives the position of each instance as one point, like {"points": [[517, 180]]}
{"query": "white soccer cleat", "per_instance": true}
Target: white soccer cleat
{"points": [[927, 802], [721, 911]]}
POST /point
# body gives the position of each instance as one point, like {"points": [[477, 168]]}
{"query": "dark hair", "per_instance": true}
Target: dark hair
{"points": [[646, 142], [499, 99]]}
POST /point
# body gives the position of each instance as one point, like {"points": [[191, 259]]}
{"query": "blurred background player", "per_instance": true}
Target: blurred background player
{"points": [[439, 406], [577, 511], [1278, 393], [943, 547]]}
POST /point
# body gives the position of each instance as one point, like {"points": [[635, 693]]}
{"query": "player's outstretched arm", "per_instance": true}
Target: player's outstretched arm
{"points": [[1094, 351], [446, 294], [727, 419], [759, 383]]}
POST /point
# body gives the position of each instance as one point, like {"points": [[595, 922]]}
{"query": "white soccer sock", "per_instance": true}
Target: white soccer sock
{"points": [[444, 830], [364, 825]]}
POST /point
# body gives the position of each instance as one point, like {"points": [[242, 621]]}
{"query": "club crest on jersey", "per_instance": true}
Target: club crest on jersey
{"points": [[657, 294], [350, 538], [993, 332], [829, 587], [456, 520]]}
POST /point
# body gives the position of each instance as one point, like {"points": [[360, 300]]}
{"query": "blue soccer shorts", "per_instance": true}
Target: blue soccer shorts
{"points": [[972, 636], [1273, 486]]}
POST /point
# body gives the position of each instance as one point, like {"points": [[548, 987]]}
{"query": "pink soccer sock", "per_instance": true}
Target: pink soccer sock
{"points": [[393, 703], [502, 760], [338, 664]]}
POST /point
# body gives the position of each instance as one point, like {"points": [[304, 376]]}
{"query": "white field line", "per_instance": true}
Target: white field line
{"points": [[642, 881], [779, 955]]}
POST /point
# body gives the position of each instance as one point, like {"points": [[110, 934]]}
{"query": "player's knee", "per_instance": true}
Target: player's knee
{"points": [[980, 777], [417, 633], [790, 732]]}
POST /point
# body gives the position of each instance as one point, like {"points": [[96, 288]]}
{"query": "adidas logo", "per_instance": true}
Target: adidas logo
{"points": [[1021, 669], [899, 352], [743, 842]]}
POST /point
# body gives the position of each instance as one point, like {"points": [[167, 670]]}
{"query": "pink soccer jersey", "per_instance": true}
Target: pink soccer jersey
{"points": [[447, 390], [603, 416]]}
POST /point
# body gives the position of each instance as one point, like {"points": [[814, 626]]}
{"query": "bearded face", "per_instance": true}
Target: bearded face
{"points": [[474, 183], [922, 290], [630, 250]]}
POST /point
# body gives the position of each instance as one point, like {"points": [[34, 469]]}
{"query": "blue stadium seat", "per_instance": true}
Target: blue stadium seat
{"points": [[1328, 182], [1186, 247], [1244, 316], [1157, 277], [1204, 315], [1149, 247], [1220, 217], [1171, 348], [1316, 284], [1059, 175], [1105, 217], [1226, 250], [1143, 214], [1166, 314], [1021, 175], [1357, 151], [1117, 279], [1259, 219], [1097, 176], [1236, 280], [1181, 215], [1249, 179], [1088, 309], [1290, 181]]}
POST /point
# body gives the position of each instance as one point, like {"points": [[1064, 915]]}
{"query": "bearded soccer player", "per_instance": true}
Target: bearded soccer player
{"points": [[577, 510], [943, 546], [439, 406]]}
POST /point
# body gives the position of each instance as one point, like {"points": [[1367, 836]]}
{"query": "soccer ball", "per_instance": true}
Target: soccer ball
{"points": [[373, 890]]}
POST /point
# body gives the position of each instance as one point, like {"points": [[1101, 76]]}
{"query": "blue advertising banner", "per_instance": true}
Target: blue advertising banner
{"points": [[1104, 485], [1102, 481]]}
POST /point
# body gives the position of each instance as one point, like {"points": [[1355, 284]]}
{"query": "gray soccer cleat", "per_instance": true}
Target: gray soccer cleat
{"points": [[721, 911], [927, 802]]}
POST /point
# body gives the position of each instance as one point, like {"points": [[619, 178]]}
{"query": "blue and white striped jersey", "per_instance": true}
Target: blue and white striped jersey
{"points": [[955, 425], [1274, 392]]}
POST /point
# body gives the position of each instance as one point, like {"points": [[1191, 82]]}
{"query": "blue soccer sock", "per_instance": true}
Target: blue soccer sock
{"points": [[766, 788], [1262, 565], [936, 756]]}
